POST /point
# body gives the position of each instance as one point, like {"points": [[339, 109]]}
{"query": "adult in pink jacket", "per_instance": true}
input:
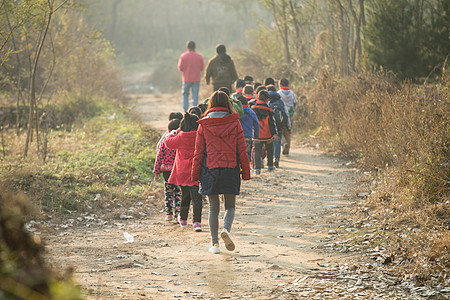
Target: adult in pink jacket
{"points": [[191, 64], [183, 140]]}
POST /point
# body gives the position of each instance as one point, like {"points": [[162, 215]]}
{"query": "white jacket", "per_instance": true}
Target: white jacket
{"points": [[288, 98]]}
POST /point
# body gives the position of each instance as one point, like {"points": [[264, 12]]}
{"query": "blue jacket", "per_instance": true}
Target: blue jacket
{"points": [[249, 123]]}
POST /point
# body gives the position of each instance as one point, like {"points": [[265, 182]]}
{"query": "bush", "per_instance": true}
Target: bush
{"points": [[401, 131], [23, 274]]}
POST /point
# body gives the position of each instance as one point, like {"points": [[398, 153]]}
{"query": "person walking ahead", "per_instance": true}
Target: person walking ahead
{"points": [[221, 69], [220, 154], [191, 64]]}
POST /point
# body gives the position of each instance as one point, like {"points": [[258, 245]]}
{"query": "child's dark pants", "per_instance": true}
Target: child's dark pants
{"points": [[188, 193], [257, 148]]}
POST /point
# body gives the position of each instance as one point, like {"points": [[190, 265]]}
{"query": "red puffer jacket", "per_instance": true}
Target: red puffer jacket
{"points": [[222, 139], [184, 143]]}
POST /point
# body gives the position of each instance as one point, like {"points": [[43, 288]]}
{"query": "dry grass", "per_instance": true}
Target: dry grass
{"points": [[401, 132]]}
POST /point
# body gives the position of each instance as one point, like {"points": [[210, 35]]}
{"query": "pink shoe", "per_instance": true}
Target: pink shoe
{"points": [[197, 226], [183, 223]]}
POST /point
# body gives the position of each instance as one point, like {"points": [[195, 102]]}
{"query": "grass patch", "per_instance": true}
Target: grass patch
{"points": [[100, 161]]}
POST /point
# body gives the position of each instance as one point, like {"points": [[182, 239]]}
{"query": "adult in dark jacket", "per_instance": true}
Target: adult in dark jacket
{"points": [[221, 69], [267, 131], [220, 154]]}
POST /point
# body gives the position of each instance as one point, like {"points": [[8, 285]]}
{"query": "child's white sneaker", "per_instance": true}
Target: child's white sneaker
{"points": [[197, 226], [214, 249], [227, 239]]}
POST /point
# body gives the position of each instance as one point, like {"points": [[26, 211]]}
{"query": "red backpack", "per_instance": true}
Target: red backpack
{"points": [[264, 129]]}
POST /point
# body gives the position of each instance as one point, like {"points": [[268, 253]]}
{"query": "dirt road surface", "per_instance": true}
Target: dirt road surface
{"points": [[283, 222]]}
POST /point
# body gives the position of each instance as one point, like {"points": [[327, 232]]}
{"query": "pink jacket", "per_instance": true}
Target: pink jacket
{"points": [[165, 158], [184, 143], [191, 64]]}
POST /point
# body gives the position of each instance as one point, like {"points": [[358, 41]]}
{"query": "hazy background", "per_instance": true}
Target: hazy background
{"points": [[149, 35]]}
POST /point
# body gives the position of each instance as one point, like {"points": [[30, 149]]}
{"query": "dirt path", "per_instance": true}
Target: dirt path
{"points": [[281, 229]]}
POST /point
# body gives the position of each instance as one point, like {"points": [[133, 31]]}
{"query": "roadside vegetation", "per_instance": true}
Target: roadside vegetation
{"points": [[68, 143], [375, 90]]}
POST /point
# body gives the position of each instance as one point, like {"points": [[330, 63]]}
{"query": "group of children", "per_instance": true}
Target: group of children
{"points": [[207, 150]]}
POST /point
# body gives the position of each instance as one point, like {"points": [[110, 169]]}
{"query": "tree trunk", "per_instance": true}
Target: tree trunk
{"points": [[285, 32], [33, 115], [357, 48], [344, 39]]}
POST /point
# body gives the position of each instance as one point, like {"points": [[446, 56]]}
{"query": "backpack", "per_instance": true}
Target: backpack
{"points": [[279, 114], [264, 128]]}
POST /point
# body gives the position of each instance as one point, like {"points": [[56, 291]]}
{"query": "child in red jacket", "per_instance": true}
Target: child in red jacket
{"points": [[183, 140], [220, 154], [165, 158]]}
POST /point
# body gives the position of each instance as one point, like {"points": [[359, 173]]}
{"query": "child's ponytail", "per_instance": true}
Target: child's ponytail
{"points": [[220, 99], [189, 122]]}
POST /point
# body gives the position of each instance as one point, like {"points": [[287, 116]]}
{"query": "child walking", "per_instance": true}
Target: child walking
{"points": [[281, 122], [165, 158], [267, 131], [220, 154], [250, 125], [290, 101], [183, 140]]}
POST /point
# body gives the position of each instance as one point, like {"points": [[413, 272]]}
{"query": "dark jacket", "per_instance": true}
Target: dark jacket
{"points": [[279, 111], [221, 69], [220, 154], [266, 120]]}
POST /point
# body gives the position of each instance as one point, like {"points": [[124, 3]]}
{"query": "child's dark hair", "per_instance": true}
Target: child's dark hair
{"points": [[195, 110], [225, 90], [203, 107], [173, 124], [189, 122], [257, 85], [243, 100], [260, 88], [263, 95], [284, 82], [271, 88], [248, 90], [239, 84], [248, 79], [220, 99], [269, 81], [175, 115]]}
